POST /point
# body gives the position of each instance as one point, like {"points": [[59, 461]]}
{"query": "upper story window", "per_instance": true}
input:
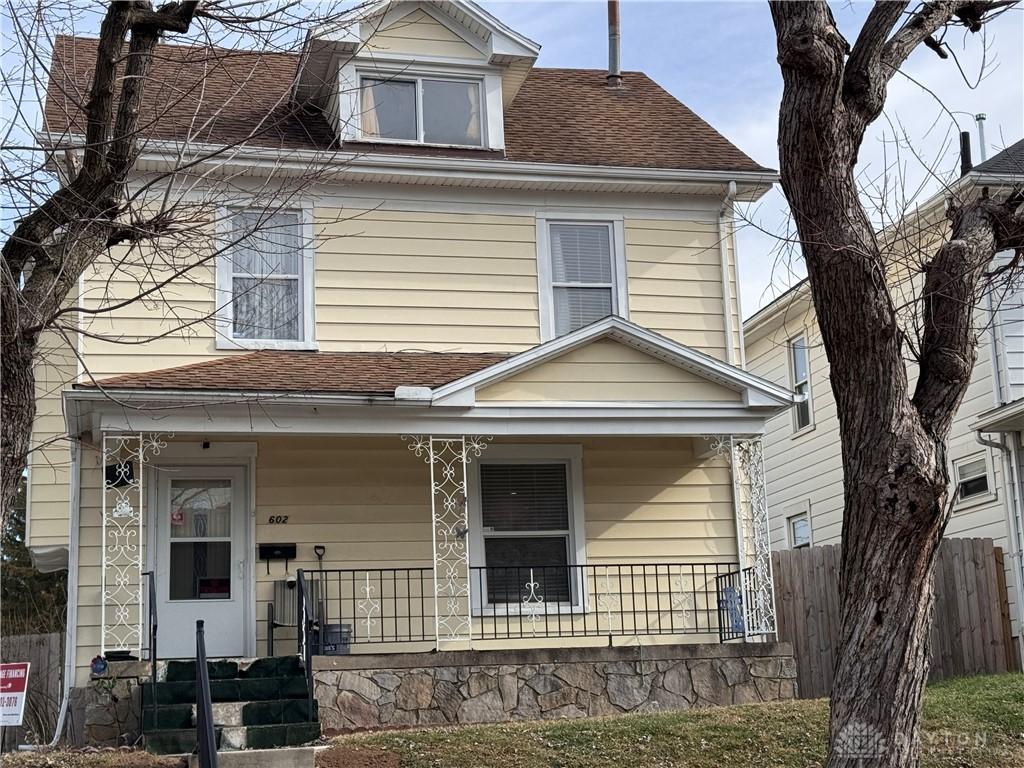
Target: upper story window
{"points": [[429, 110], [265, 281], [800, 372], [584, 271], [971, 478]]}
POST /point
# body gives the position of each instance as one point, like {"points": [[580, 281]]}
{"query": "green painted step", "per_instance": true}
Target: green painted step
{"points": [[224, 669], [176, 741], [237, 689], [167, 716], [280, 711], [270, 736]]}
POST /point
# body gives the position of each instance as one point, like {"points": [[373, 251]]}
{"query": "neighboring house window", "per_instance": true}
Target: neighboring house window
{"points": [[266, 280], [800, 370], [971, 478], [799, 526], [582, 273], [524, 510], [421, 109]]}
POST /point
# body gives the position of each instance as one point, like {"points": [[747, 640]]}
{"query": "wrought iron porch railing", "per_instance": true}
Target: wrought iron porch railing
{"points": [[397, 605]]}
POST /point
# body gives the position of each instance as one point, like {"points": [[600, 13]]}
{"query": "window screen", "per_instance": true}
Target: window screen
{"points": [[266, 275], [582, 275]]}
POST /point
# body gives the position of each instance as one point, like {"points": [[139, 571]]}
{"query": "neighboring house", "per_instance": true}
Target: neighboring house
{"points": [[803, 465], [501, 396]]}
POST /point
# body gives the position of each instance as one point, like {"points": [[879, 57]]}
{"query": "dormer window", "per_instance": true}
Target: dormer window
{"points": [[425, 110]]}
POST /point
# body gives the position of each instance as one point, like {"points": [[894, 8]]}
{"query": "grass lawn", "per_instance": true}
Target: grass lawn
{"points": [[973, 722], [968, 722]]}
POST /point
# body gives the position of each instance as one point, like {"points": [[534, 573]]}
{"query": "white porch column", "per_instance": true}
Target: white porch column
{"points": [[448, 457], [121, 589], [753, 537]]}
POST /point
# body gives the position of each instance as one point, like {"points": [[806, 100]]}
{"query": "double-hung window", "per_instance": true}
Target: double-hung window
{"points": [[800, 371], [526, 531], [971, 479], [265, 280], [585, 271], [426, 110]]}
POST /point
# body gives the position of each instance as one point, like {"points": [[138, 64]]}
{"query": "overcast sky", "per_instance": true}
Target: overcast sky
{"points": [[719, 59]]}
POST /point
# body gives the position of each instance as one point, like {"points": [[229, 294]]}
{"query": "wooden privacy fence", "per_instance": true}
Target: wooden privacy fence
{"points": [[971, 628], [45, 653]]}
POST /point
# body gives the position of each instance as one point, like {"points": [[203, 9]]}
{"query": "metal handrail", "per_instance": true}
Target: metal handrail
{"points": [[304, 624], [152, 629], [206, 742]]}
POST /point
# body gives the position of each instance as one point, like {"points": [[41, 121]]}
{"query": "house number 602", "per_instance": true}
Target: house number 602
{"points": [[277, 519]]}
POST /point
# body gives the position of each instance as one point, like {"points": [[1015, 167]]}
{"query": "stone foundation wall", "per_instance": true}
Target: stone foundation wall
{"points": [[445, 688]]}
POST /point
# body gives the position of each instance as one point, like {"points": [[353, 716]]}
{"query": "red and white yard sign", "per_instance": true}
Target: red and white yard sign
{"points": [[13, 684]]}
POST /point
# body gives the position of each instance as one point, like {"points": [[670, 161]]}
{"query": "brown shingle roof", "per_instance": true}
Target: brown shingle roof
{"points": [[336, 373], [559, 115]]}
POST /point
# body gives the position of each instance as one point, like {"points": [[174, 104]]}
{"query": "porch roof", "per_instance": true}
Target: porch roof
{"points": [[339, 373], [688, 393]]}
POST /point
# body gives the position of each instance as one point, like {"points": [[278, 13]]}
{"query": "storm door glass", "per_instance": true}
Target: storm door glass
{"points": [[200, 526]]}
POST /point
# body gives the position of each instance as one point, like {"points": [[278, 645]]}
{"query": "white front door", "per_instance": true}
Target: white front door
{"points": [[200, 560]]}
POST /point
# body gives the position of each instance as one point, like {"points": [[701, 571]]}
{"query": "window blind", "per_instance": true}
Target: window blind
{"points": [[524, 497], [581, 273], [581, 253]]}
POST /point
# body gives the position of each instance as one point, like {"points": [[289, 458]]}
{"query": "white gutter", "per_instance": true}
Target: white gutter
{"points": [[723, 252], [349, 163], [71, 630]]}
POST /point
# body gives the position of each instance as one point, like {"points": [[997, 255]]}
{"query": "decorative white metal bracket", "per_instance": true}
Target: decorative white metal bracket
{"points": [[753, 538], [448, 458], [124, 457]]}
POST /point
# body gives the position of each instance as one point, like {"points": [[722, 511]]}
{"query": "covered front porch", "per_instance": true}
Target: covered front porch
{"points": [[475, 515]]}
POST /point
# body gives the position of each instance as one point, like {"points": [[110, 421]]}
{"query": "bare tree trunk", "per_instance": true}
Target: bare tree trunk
{"points": [[893, 442], [56, 242], [17, 401]]}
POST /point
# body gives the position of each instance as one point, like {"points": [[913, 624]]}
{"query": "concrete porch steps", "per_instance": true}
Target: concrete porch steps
{"points": [[257, 704]]}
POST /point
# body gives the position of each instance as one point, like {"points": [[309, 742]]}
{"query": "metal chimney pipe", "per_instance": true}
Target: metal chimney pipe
{"points": [[614, 68], [982, 150], [965, 153]]}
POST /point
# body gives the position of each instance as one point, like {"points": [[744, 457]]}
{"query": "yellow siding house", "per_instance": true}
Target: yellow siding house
{"points": [[479, 385]]}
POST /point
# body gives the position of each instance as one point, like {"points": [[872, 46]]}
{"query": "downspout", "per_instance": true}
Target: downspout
{"points": [[71, 630], [723, 249], [1014, 521]]}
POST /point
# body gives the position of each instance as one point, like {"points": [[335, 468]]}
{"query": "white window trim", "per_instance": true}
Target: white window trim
{"points": [[572, 456], [545, 282], [803, 509], [791, 365], [973, 501], [224, 293], [418, 76]]}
